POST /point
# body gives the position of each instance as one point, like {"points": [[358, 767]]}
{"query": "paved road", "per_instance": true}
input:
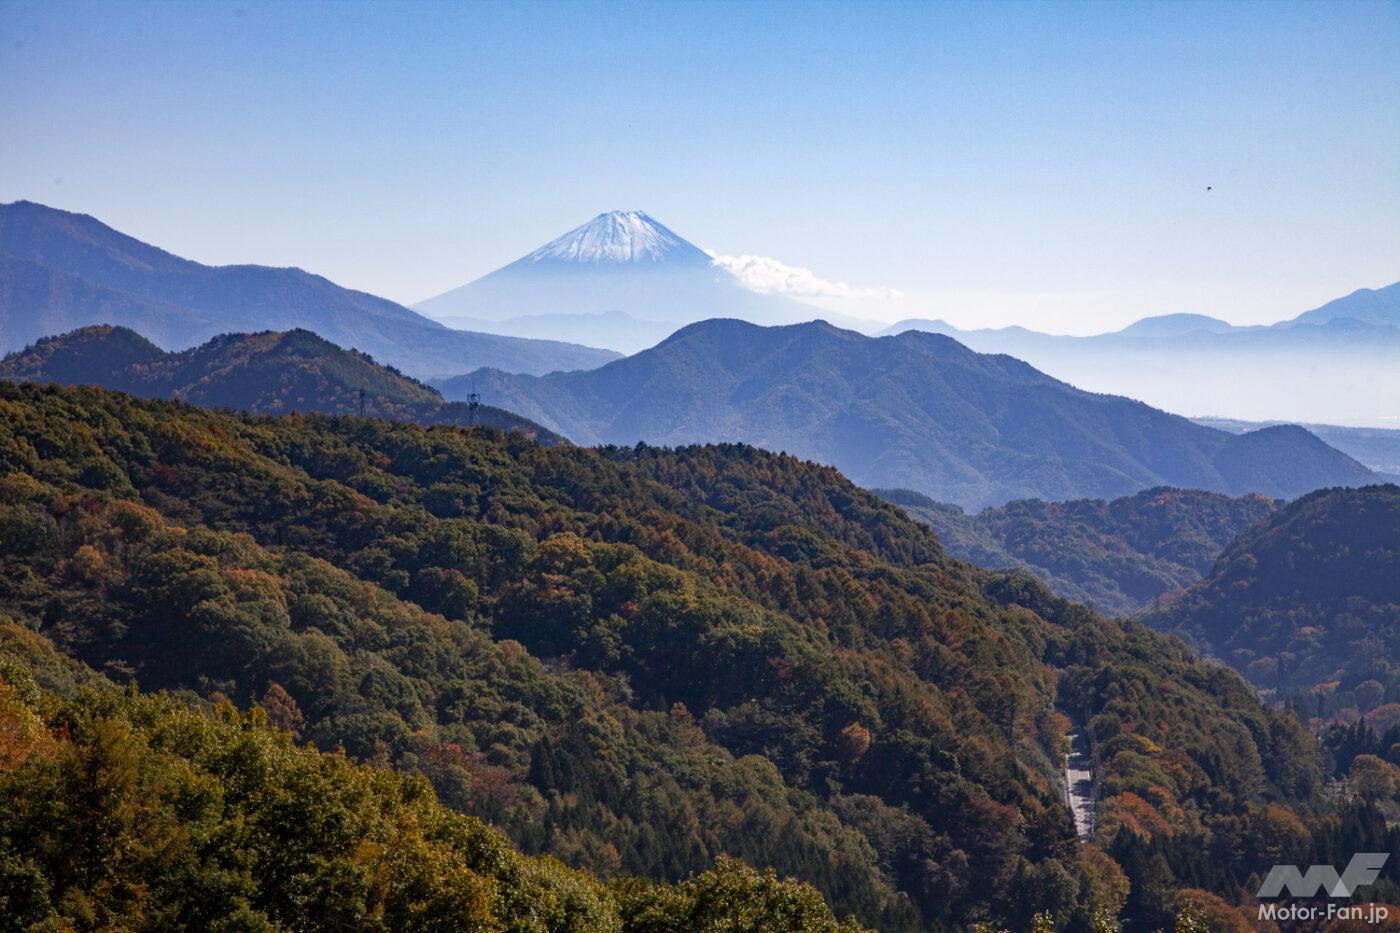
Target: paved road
{"points": [[1079, 780]]}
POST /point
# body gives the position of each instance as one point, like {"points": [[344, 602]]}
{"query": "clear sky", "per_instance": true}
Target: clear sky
{"points": [[1041, 164]]}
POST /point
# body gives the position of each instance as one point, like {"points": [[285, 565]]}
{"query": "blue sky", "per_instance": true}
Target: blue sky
{"points": [[1042, 164]]}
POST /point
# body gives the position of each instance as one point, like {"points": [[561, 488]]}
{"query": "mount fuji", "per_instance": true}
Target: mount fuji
{"points": [[618, 237], [624, 278]]}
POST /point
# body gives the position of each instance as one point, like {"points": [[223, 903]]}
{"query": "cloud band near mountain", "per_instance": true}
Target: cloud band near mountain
{"points": [[765, 274]]}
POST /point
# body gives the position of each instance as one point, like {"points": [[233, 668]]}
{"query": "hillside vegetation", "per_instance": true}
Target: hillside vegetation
{"points": [[123, 811], [267, 373], [638, 660], [1115, 556], [1307, 603]]}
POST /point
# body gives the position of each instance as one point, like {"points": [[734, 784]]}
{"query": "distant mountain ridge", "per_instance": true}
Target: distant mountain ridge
{"points": [[1375, 306], [620, 261], [60, 270], [1380, 306], [917, 411], [264, 373], [1334, 364], [1174, 325]]}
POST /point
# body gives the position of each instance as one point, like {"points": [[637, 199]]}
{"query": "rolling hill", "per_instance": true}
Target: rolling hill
{"points": [[1114, 556], [917, 411], [1306, 602], [265, 373], [60, 271]]}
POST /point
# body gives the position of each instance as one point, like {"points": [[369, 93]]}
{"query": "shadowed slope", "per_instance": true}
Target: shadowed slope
{"points": [[917, 411]]}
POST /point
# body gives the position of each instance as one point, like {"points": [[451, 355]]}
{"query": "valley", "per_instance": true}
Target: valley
{"points": [[689, 645], [1117, 556], [560, 639]]}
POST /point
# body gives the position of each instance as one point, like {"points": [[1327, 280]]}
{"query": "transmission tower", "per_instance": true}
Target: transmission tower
{"points": [[473, 404]]}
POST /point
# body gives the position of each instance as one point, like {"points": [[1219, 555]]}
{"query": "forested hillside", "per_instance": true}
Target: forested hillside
{"points": [[639, 659], [268, 373], [123, 811], [1115, 556], [1307, 603]]}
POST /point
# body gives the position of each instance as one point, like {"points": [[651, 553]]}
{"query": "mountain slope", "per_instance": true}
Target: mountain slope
{"points": [[916, 411], [37, 300], [1306, 599], [1377, 448], [638, 659], [266, 373], [1370, 305], [619, 261], [68, 270], [1114, 556]]}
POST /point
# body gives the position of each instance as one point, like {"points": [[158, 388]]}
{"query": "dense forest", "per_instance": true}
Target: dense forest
{"points": [[124, 811], [635, 660], [1307, 604], [270, 372], [1115, 556]]}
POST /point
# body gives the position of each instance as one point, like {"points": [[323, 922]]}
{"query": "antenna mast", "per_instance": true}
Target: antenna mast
{"points": [[473, 403]]}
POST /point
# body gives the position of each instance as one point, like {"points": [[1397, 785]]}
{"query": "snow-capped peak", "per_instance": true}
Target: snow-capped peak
{"points": [[617, 236]]}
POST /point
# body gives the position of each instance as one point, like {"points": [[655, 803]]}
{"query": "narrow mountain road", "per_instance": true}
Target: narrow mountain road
{"points": [[1081, 783]]}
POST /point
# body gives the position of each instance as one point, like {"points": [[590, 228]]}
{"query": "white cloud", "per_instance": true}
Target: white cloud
{"points": [[765, 274]]}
